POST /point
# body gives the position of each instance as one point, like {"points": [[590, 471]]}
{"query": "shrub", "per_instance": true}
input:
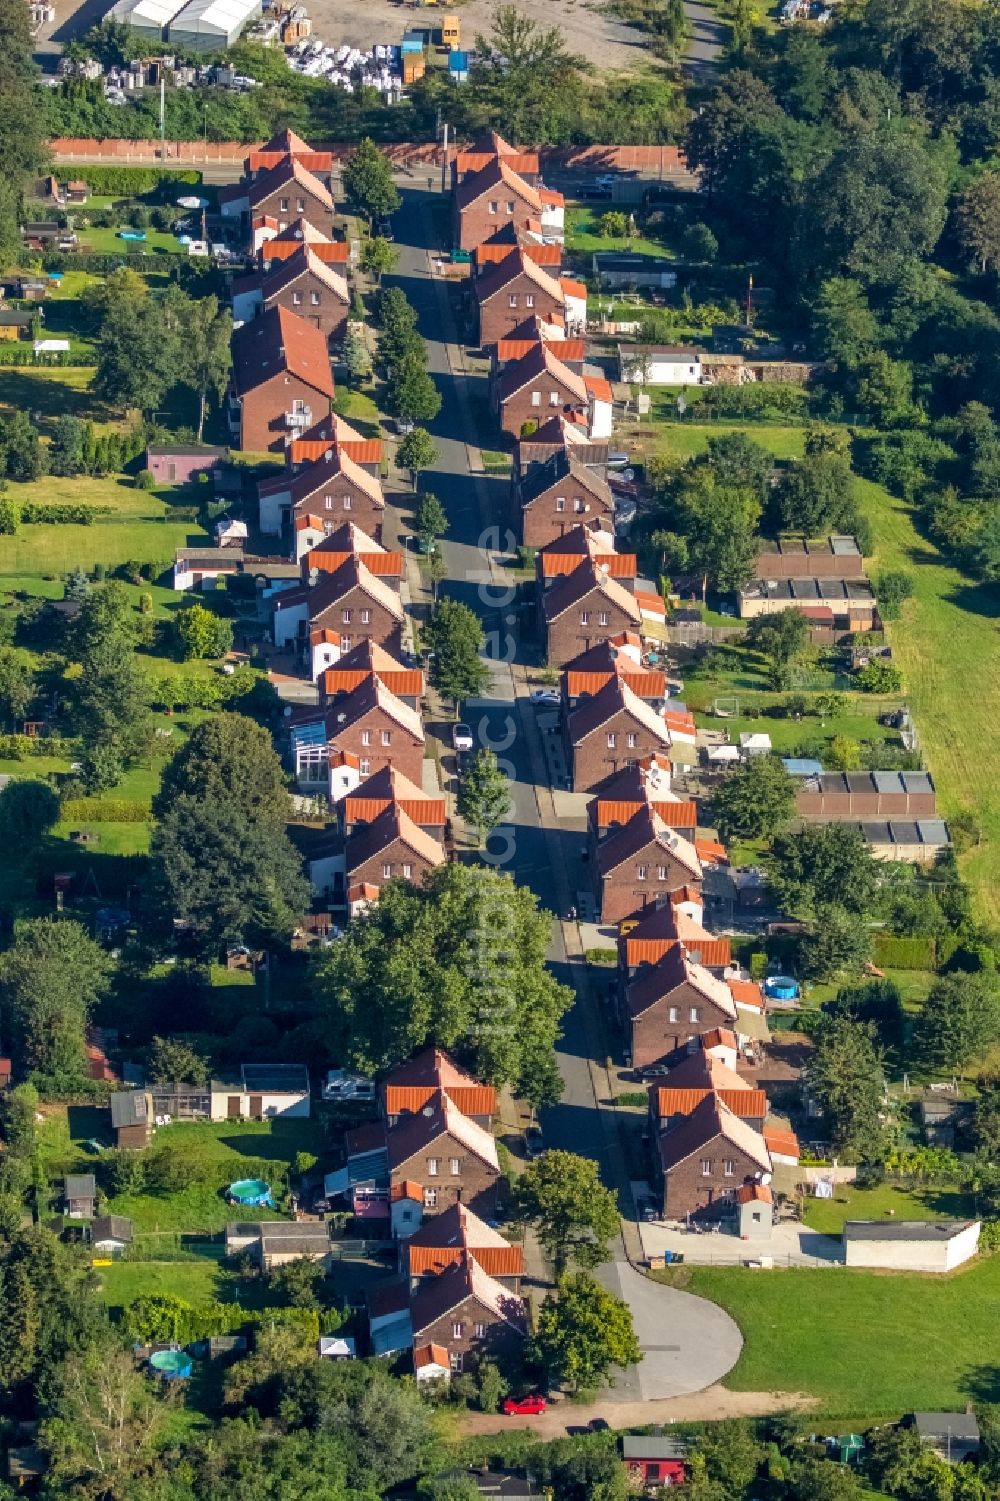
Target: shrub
{"points": [[879, 677], [10, 515], [145, 480], [131, 182], [104, 810], [35, 512]]}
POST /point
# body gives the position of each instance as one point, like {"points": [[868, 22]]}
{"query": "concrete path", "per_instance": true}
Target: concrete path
{"points": [[707, 40], [713, 1403]]}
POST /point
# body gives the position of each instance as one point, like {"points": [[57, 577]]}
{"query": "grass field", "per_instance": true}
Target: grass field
{"points": [[46, 394], [584, 236], [862, 1342], [850, 1203]]}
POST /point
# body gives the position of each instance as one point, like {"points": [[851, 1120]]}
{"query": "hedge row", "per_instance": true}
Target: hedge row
{"points": [[114, 182], [53, 514], [17, 747], [104, 810], [904, 953], [99, 265]]}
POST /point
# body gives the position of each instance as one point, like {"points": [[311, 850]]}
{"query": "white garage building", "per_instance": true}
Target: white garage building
{"points": [[910, 1245], [659, 365]]}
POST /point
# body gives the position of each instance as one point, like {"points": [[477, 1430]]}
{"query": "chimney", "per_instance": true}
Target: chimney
{"points": [[313, 577]]}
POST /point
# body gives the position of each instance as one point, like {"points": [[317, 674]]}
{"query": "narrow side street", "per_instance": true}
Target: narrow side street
{"points": [[688, 1342]]}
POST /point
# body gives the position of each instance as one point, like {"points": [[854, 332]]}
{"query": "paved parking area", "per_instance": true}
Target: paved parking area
{"points": [[789, 1244]]}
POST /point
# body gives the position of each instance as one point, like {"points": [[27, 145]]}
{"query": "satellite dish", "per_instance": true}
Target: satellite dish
{"points": [[765, 1179]]}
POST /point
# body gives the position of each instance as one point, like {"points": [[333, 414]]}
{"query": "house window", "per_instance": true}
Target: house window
{"points": [[602, 619], [695, 1014], [480, 1331], [300, 205], [408, 872], [455, 1163], [536, 398], [366, 617], [510, 205], [345, 616], [512, 299], [430, 1198], [553, 398], [560, 503], [365, 767], [631, 739], [493, 208], [640, 872], [673, 1014], [386, 872], [579, 507], [386, 737], [328, 502], [661, 872], [433, 1166], [345, 643], [652, 1472], [296, 299], [584, 617], [348, 503], [729, 1195], [529, 299], [729, 1167], [455, 1360], [612, 740], [314, 298], [283, 205], [457, 1330], [706, 1167], [366, 737]]}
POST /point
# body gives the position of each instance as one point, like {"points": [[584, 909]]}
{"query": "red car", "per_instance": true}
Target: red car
{"points": [[529, 1406]]}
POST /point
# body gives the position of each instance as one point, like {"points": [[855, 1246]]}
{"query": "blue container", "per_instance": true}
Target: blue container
{"points": [[413, 41], [781, 987], [458, 62]]}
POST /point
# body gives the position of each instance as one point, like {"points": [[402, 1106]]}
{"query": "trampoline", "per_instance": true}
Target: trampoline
{"points": [[172, 1365], [250, 1191], [781, 987]]}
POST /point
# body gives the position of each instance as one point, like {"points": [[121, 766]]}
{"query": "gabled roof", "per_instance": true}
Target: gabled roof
{"points": [[331, 431], [709, 1120], [538, 362], [495, 278], [443, 1240], [368, 695], [335, 463], [440, 1117], [437, 1296], [615, 698], [369, 659], [672, 970], [329, 588], [348, 537], [303, 263], [427, 1355], [496, 175], [662, 925], [279, 341], [563, 554], [748, 1104], [494, 250], [368, 840], [644, 829], [559, 468], [590, 578], [430, 1073], [286, 143], [288, 170], [701, 1069], [389, 786]]}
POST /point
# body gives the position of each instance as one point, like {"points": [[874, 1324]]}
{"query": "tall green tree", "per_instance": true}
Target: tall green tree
{"points": [[583, 1332], [107, 708], [816, 496], [430, 520], [23, 145], [783, 638], [106, 1425], [137, 358], [221, 860], [454, 637], [574, 1215], [206, 357], [412, 395], [523, 74], [51, 978], [755, 800], [719, 523], [378, 257], [417, 451], [846, 1079], [959, 1021], [368, 183], [823, 865], [978, 219], [460, 962], [484, 799]]}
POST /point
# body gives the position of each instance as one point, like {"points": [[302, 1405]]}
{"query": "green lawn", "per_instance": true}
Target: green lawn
{"points": [[888, 1202], [198, 1279], [883, 1344], [50, 393], [583, 234], [685, 439]]}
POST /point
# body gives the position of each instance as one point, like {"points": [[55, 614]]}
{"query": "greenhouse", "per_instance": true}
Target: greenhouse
{"points": [[149, 18], [211, 25]]}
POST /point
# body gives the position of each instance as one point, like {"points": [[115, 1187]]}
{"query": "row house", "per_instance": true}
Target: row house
{"points": [[555, 436], [448, 1238], [626, 794], [517, 288], [584, 542], [491, 147], [355, 735], [705, 1157], [539, 383], [610, 731], [522, 340], [438, 1155], [310, 288], [526, 237], [326, 549], [467, 1316], [386, 789], [332, 612], [280, 186], [281, 380], [369, 659], [558, 494], [641, 862], [333, 489], [410, 1087], [667, 1006], [619, 656], [496, 196], [649, 936], [332, 432], [282, 244], [350, 866], [583, 608]]}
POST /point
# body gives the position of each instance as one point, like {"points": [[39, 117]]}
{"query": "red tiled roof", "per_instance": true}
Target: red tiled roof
{"points": [[542, 255], [573, 288], [278, 341], [680, 815], [425, 1355], [747, 992], [308, 450], [474, 1099], [749, 1104], [620, 565], [710, 851], [644, 684], [750, 1193], [781, 1143]]}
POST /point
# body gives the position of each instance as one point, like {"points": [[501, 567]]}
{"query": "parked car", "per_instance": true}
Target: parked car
{"points": [[647, 1210], [527, 1406], [533, 1142], [545, 697], [654, 1071], [340, 1084], [461, 737]]}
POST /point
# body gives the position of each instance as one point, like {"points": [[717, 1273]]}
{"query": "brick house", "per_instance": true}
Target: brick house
{"points": [[369, 659], [586, 540], [281, 381], [555, 435], [289, 191], [390, 847], [497, 195], [334, 487], [389, 788], [287, 242], [538, 384], [489, 147], [451, 1158], [618, 657], [609, 732], [523, 237], [449, 1237], [668, 1004], [422, 1079], [324, 548], [640, 863], [669, 921], [469, 1314], [512, 290], [333, 432], [703, 1160], [583, 608], [339, 610], [355, 735], [557, 494], [310, 288], [622, 796], [522, 340], [700, 1074]]}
